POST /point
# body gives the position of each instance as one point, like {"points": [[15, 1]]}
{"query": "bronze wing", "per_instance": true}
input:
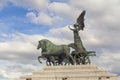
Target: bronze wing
{"points": [[80, 20]]}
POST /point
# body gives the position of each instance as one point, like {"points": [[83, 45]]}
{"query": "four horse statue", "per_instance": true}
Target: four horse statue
{"points": [[55, 53]]}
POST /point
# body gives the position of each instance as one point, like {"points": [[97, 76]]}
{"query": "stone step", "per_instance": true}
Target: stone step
{"points": [[69, 72], [72, 76], [76, 70], [69, 67], [77, 75]]}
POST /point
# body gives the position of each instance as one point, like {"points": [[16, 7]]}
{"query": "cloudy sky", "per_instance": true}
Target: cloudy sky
{"points": [[24, 22]]}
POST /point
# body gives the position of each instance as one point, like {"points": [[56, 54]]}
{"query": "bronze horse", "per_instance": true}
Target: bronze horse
{"points": [[52, 50]]}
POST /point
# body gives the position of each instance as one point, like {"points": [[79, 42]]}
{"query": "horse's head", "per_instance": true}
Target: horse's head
{"points": [[41, 44]]}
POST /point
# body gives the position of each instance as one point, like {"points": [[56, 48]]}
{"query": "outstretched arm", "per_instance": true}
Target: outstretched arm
{"points": [[71, 28]]}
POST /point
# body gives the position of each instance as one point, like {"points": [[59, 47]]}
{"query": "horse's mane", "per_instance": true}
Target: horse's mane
{"points": [[46, 40]]}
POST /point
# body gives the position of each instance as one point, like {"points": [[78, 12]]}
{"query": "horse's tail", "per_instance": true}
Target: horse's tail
{"points": [[39, 59]]}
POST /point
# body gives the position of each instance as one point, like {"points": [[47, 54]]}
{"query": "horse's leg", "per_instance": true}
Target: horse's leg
{"points": [[60, 60], [88, 60], [74, 55], [75, 59], [67, 63], [78, 58], [39, 58], [52, 59], [83, 58], [70, 58], [47, 63]]}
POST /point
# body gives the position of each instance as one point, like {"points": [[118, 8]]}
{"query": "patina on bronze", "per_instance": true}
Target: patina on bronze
{"points": [[54, 53]]}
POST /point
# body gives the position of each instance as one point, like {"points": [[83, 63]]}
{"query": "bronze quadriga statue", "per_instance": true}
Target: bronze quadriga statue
{"points": [[60, 54]]}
